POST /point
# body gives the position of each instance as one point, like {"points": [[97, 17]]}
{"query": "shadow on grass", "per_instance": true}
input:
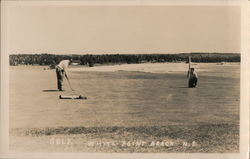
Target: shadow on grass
{"points": [[51, 90]]}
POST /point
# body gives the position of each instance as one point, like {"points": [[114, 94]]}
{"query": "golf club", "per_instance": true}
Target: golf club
{"points": [[70, 85]]}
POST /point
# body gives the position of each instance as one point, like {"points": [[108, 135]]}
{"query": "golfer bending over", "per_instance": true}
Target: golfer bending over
{"points": [[61, 71], [193, 78]]}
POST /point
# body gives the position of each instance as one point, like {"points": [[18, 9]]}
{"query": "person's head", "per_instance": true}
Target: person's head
{"points": [[192, 69]]}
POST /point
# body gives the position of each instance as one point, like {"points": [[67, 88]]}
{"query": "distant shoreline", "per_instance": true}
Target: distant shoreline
{"points": [[155, 67], [161, 68]]}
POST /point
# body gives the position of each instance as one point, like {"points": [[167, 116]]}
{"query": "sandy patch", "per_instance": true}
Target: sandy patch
{"points": [[155, 67]]}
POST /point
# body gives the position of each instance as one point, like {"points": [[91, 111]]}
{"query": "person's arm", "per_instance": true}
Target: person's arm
{"points": [[188, 74], [195, 74], [66, 73], [65, 68]]}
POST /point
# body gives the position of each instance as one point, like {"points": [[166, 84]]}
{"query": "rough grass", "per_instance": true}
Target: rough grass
{"points": [[207, 138]]}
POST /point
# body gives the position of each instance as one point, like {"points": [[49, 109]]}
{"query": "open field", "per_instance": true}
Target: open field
{"points": [[143, 103]]}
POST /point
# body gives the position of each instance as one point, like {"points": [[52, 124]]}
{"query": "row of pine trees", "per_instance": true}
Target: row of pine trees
{"points": [[91, 60]]}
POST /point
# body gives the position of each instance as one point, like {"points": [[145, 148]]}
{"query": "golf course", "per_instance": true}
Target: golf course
{"points": [[141, 108]]}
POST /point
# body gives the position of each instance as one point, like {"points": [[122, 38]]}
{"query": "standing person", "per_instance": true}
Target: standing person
{"points": [[193, 78], [61, 71]]}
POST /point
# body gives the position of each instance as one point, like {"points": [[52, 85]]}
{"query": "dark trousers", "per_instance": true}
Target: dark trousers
{"points": [[59, 75], [192, 82]]}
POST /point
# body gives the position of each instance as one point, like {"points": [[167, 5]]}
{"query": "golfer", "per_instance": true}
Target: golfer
{"points": [[61, 71], [193, 78]]}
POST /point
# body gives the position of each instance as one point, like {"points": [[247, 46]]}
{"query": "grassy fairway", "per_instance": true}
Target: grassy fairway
{"points": [[125, 107]]}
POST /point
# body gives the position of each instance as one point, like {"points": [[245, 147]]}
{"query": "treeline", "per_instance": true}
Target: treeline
{"points": [[91, 60]]}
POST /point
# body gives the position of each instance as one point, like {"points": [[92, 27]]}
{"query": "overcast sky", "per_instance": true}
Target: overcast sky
{"points": [[122, 29]]}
